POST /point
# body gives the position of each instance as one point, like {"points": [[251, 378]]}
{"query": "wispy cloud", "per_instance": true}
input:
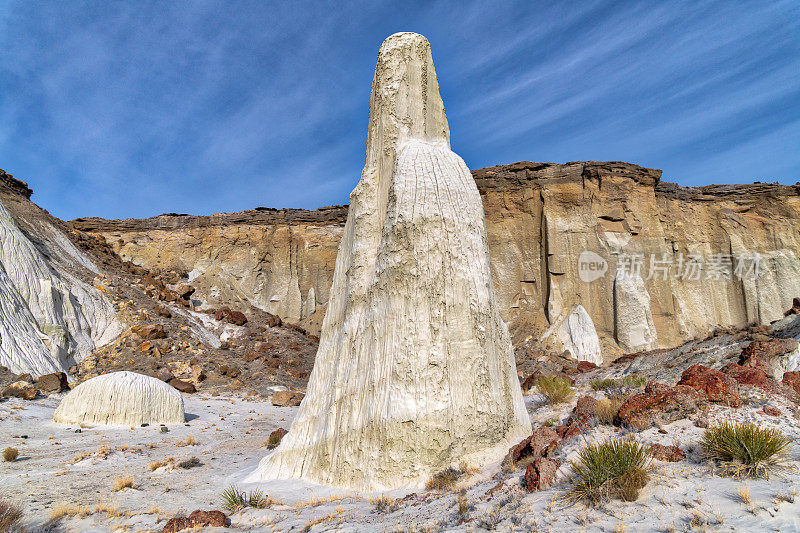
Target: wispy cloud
{"points": [[137, 109]]}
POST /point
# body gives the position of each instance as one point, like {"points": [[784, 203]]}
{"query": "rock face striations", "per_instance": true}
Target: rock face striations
{"points": [[415, 369], [540, 218], [50, 317]]}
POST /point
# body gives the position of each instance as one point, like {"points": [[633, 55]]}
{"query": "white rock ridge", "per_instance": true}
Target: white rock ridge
{"points": [[415, 370], [121, 399], [576, 333], [49, 319]]}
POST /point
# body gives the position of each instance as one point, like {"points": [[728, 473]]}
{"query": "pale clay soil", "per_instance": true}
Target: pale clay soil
{"points": [[230, 435]]}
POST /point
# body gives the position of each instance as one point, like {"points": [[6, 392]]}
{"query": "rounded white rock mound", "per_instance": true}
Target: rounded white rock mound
{"points": [[121, 399]]}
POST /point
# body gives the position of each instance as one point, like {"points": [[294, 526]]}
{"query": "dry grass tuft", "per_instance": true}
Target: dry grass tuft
{"points": [[384, 504], [555, 388], [190, 441], [463, 503], [122, 482], [10, 516], [444, 480], [62, 510], [746, 450], [10, 454], [615, 468], [744, 494], [155, 465], [631, 381], [607, 408]]}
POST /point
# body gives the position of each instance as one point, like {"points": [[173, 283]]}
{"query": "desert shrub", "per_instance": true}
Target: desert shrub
{"points": [[631, 381], [384, 504], [745, 449], [615, 468], [235, 500], [607, 408], [555, 388], [10, 516], [190, 463], [444, 480], [10, 454], [273, 441], [463, 503]]}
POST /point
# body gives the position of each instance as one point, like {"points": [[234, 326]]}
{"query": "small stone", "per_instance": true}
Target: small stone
{"points": [[20, 389], [671, 454], [771, 411], [164, 429]]}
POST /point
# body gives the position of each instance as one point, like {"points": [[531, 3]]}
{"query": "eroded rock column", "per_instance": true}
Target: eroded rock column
{"points": [[415, 370]]}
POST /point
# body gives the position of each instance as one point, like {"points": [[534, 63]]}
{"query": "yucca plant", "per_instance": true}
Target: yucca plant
{"points": [[614, 468], [746, 450], [233, 499], [555, 388]]}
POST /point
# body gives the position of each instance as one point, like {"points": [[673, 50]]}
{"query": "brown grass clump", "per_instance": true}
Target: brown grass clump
{"points": [[555, 388], [155, 465], [122, 482], [190, 463], [746, 450], [62, 510], [190, 441], [615, 468], [444, 480], [607, 408], [10, 516], [10, 454], [384, 504]]}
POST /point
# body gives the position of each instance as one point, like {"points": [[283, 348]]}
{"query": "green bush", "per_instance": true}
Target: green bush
{"points": [[745, 449], [615, 468], [555, 388]]}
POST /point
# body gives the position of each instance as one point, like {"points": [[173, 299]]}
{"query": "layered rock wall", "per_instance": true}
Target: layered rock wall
{"points": [[540, 218]]}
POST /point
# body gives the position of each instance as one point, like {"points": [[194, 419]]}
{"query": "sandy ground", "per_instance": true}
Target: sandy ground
{"points": [[59, 468]]}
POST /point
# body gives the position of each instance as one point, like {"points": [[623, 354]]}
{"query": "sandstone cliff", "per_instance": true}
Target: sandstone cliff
{"points": [[540, 218]]}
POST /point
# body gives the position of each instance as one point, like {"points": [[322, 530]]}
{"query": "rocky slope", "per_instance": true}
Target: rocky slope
{"points": [[541, 218], [69, 303]]}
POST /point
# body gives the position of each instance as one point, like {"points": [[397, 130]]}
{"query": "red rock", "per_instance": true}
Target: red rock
{"points": [[184, 291], [542, 442], [234, 317], [771, 411], [274, 320], [150, 331], [286, 398], [660, 404], [752, 376], [51, 383], [20, 389], [795, 309], [196, 520], [164, 374], [792, 379], [183, 386], [671, 454], [586, 366], [541, 473], [766, 355], [716, 385]]}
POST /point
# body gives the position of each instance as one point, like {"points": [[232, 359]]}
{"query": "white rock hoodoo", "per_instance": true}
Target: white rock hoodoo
{"points": [[415, 370], [121, 399]]}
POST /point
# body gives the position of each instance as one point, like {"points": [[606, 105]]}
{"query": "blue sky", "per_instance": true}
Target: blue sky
{"points": [[131, 109]]}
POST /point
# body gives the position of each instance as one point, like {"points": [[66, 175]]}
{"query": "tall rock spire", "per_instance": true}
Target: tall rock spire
{"points": [[415, 370]]}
